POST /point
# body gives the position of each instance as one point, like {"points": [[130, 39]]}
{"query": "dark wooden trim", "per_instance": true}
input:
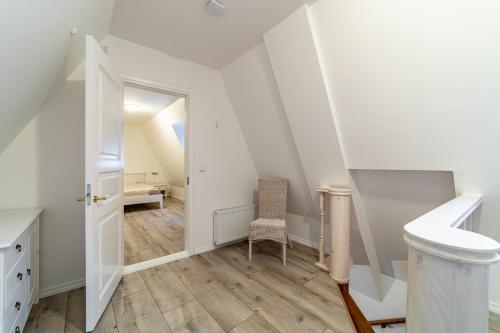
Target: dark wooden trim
{"points": [[384, 322], [360, 323], [359, 320]]}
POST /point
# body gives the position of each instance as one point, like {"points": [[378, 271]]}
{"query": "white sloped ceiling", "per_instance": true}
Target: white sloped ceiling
{"points": [[252, 89], [38, 51]]}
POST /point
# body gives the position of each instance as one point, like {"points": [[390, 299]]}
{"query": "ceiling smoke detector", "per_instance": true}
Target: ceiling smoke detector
{"points": [[216, 7]]}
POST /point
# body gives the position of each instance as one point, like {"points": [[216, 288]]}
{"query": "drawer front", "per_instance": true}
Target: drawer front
{"points": [[15, 252], [17, 278], [18, 325], [16, 308]]}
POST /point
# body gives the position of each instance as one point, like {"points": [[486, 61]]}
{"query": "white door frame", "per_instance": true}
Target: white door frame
{"points": [[189, 203]]}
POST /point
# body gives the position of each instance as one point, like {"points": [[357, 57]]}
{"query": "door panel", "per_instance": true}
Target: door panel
{"points": [[109, 248], [110, 115], [104, 181]]}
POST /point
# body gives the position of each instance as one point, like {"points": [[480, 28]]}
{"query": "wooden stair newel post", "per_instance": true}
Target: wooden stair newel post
{"points": [[322, 193], [340, 215]]}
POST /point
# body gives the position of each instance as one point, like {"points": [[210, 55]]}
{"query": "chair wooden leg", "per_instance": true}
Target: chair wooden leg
{"points": [[284, 253], [249, 251]]}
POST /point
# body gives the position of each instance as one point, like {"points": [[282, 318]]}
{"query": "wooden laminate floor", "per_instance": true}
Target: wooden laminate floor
{"points": [[494, 323], [151, 232], [214, 292], [217, 291]]}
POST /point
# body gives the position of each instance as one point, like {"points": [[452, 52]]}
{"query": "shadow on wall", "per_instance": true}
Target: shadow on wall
{"points": [[60, 150], [393, 198]]}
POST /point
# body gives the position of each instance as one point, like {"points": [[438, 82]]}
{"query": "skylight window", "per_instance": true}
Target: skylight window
{"points": [[179, 132]]}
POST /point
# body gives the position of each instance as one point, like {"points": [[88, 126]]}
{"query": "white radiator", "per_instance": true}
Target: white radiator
{"points": [[231, 224]]}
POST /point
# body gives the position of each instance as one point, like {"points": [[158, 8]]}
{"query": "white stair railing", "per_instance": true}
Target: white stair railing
{"points": [[448, 265]]}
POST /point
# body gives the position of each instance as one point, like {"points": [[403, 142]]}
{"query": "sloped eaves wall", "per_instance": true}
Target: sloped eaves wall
{"points": [[38, 53]]}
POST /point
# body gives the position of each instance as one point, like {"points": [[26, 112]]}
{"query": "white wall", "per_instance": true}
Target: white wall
{"points": [[230, 176], [394, 198], [164, 142], [44, 166], [139, 157], [300, 81], [256, 101], [415, 85], [298, 74], [177, 192], [37, 51]]}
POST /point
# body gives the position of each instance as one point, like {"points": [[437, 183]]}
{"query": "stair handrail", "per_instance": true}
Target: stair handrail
{"points": [[450, 231], [448, 269]]}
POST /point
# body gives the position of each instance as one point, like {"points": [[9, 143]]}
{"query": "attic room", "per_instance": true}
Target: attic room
{"points": [[250, 166]]}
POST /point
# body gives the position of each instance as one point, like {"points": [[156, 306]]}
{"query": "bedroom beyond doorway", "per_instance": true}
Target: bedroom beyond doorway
{"points": [[154, 175]]}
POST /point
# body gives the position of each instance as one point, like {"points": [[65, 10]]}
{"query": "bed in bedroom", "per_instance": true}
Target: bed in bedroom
{"points": [[136, 191]]}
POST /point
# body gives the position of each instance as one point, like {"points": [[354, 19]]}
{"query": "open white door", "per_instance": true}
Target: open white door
{"points": [[103, 179]]}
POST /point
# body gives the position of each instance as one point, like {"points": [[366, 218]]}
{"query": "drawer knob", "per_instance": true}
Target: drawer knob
{"points": [[18, 247], [18, 330], [17, 306], [20, 276], [29, 271]]}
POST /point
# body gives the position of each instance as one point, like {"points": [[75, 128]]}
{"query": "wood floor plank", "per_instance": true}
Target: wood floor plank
{"points": [[192, 318], [494, 323], [194, 276], [332, 314], [225, 308], [254, 324], [259, 297], [155, 239], [264, 261], [107, 323], [49, 315], [209, 259], [281, 314], [151, 232], [239, 260], [323, 285], [305, 259], [75, 313], [166, 288], [139, 313], [130, 284]]}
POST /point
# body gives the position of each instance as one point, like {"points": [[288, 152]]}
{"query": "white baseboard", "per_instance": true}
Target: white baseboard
{"points": [[177, 192], [177, 197], [204, 249], [303, 241], [155, 262], [495, 307], [61, 288]]}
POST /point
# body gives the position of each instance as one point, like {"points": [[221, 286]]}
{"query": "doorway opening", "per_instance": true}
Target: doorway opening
{"points": [[155, 172]]}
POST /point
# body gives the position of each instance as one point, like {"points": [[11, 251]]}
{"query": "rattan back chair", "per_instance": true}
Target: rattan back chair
{"points": [[271, 223]]}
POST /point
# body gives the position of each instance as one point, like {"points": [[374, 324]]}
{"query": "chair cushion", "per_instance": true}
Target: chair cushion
{"points": [[273, 223], [272, 229]]}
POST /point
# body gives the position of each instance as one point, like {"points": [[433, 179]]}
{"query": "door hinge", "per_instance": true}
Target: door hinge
{"points": [[187, 180]]}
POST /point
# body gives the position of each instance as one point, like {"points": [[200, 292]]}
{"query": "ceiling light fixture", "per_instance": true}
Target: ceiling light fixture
{"points": [[216, 7], [132, 107]]}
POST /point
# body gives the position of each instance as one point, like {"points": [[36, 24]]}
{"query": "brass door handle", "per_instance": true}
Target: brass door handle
{"points": [[100, 198], [79, 199]]}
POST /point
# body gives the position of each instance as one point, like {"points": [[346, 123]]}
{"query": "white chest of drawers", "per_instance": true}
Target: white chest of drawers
{"points": [[18, 267]]}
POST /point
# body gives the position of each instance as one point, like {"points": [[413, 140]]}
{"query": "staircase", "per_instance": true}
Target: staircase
{"points": [[448, 267]]}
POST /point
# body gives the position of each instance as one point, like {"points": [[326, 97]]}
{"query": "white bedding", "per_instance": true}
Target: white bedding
{"points": [[140, 189]]}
